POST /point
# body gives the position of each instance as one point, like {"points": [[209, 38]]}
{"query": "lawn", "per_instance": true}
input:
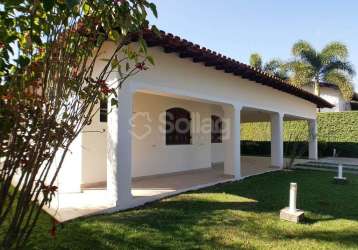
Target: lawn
{"points": [[230, 216]]}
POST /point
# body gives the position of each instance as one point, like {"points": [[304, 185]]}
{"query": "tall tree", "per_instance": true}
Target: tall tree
{"points": [[274, 67], [328, 65]]}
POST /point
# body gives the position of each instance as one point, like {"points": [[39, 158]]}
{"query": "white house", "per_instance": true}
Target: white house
{"points": [[332, 94], [134, 157]]}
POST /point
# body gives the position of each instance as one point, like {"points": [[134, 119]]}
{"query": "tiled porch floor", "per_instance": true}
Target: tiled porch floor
{"points": [[160, 184], [67, 206]]}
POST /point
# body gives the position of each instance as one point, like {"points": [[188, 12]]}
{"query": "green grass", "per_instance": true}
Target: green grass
{"points": [[230, 216]]}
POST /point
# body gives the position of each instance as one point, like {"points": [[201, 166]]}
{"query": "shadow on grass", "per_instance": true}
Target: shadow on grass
{"points": [[229, 216], [317, 193]]}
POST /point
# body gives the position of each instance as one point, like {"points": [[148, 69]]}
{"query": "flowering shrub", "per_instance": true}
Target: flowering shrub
{"points": [[49, 91]]}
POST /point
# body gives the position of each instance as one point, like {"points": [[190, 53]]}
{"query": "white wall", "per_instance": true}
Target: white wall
{"points": [[94, 150], [85, 162], [182, 77], [151, 155], [333, 96]]}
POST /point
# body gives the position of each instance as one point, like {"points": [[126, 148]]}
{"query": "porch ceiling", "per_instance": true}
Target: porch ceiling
{"points": [[259, 115]]}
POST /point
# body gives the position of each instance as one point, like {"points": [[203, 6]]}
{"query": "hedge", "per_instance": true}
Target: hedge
{"points": [[337, 130]]}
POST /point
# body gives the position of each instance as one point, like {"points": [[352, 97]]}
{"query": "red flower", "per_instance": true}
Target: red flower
{"points": [[101, 82], [42, 50], [7, 97], [53, 229], [141, 66], [74, 73], [105, 90], [103, 87]]}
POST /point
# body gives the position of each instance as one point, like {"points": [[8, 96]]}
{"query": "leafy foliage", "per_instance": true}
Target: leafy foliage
{"points": [[330, 64], [274, 67], [256, 61], [50, 87], [332, 127], [335, 130]]}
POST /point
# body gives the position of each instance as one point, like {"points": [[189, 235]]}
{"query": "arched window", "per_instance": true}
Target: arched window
{"points": [[177, 126], [216, 129]]}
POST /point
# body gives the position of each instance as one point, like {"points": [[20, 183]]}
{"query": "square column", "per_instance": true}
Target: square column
{"points": [[312, 144], [277, 140], [119, 150], [232, 142]]}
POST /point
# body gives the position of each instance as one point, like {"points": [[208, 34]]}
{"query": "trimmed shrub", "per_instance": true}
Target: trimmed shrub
{"points": [[337, 130]]}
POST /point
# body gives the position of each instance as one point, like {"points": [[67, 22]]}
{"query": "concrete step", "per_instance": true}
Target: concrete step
{"points": [[326, 166]]}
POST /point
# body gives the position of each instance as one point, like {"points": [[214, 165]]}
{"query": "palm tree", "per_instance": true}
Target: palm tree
{"points": [[274, 67], [328, 65]]}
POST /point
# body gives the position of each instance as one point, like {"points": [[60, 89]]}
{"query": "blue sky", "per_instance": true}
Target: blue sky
{"points": [[237, 28]]}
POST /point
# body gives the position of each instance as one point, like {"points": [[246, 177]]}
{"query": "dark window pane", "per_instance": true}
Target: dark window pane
{"points": [[216, 129], [103, 110], [178, 126]]}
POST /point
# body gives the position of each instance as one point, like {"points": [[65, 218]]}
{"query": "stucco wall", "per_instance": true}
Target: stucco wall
{"points": [[333, 96], [182, 77], [151, 155], [179, 77], [94, 150]]}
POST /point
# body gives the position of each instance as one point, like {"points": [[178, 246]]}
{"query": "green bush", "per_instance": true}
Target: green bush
{"points": [[337, 130]]}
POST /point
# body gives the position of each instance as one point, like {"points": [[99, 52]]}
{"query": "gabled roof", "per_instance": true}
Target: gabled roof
{"points": [[198, 54]]}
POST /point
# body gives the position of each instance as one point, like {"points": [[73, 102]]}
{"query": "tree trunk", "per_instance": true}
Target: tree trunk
{"points": [[317, 91]]}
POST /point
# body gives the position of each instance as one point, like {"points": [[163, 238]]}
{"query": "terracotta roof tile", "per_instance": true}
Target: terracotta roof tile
{"points": [[186, 49]]}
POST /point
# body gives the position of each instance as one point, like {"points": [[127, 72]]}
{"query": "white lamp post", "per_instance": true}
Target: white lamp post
{"points": [[291, 213], [293, 197], [340, 171], [340, 178]]}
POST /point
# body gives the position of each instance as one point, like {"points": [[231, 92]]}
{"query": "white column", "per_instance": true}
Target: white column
{"points": [[119, 151], [312, 145], [277, 140], [232, 161]]}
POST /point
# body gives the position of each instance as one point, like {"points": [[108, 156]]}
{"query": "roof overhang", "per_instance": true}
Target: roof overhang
{"points": [[198, 54]]}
